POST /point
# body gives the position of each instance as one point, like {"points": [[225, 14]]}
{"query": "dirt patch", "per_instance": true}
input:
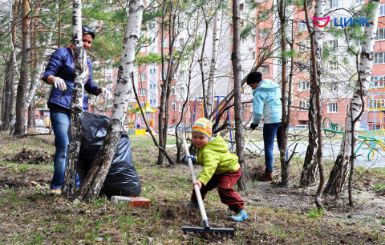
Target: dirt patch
{"points": [[31, 157]]}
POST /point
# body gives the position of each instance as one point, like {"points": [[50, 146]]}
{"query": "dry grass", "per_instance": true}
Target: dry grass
{"points": [[29, 215]]}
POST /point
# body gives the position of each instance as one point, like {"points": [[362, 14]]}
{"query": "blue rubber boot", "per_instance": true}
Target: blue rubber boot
{"points": [[240, 216]]}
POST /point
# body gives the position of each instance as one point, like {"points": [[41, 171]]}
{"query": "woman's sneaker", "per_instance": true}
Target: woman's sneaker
{"points": [[55, 192], [240, 216]]}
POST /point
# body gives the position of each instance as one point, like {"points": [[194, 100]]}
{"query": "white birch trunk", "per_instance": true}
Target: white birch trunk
{"points": [[314, 150], [210, 83], [94, 180], [80, 58], [37, 73], [341, 166]]}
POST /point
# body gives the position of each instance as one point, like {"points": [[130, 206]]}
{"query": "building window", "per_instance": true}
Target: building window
{"points": [[173, 90], [380, 34], [333, 65], [332, 107], [264, 69], [379, 58], [334, 3], [382, 9], [333, 44], [304, 105], [302, 26], [304, 86], [304, 46], [142, 92], [376, 104], [377, 82], [151, 25], [173, 106], [263, 33], [143, 77]]}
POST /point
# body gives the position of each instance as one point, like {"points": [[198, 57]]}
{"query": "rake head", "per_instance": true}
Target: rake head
{"points": [[210, 230]]}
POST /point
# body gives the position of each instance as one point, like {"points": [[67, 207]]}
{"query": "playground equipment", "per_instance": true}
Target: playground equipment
{"points": [[206, 227], [373, 143], [135, 124], [331, 129]]}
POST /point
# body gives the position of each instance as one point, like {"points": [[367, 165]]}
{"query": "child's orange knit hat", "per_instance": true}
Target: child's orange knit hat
{"points": [[203, 126]]}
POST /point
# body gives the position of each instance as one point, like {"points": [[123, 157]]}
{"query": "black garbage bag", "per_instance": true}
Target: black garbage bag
{"points": [[122, 178]]}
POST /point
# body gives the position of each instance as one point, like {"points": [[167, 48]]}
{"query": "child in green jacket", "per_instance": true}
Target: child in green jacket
{"points": [[220, 168]]}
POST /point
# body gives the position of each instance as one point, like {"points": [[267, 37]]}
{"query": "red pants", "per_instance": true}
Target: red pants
{"points": [[225, 183]]}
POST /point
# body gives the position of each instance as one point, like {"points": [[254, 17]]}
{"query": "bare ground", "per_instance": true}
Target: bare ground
{"points": [[29, 214]]}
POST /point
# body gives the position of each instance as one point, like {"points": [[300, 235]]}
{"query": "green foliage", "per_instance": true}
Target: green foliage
{"points": [[315, 213], [263, 15], [326, 51], [151, 58], [288, 54], [152, 15], [379, 187], [246, 31]]}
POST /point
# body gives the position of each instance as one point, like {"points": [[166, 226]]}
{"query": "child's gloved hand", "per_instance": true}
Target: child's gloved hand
{"points": [[193, 159]]}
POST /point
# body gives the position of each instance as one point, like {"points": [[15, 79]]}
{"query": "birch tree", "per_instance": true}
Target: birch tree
{"points": [[213, 62], [346, 155], [94, 180], [314, 150], [11, 72], [80, 60], [22, 86]]}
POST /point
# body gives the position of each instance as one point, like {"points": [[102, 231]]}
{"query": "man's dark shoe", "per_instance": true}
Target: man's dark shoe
{"points": [[266, 177]]}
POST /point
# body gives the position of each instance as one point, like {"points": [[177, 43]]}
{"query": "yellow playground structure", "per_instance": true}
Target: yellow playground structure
{"points": [[136, 125]]}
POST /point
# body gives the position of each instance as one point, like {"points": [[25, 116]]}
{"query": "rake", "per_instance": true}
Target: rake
{"points": [[206, 227]]}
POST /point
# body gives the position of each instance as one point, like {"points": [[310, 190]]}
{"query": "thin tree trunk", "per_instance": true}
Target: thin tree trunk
{"points": [[29, 104], [237, 93], [204, 93], [172, 66], [210, 83], [37, 71], [22, 87], [285, 122], [8, 93], [341, 166], [314, 150], [10, 74], [163, 102], [80, 60], [94, 180], [31, 114]]}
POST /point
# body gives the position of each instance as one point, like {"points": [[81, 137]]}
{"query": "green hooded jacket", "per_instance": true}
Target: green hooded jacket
{"points": [[216, 158]]}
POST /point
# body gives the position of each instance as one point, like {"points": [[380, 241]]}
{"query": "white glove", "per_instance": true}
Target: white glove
{"points": [[59, 83], [106, 93]]}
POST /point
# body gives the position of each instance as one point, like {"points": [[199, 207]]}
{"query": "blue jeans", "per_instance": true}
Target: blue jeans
{"points": [[270, 131], [60, 125]]}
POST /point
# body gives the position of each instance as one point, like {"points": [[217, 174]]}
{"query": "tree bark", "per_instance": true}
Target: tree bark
{"points": [[210, 83], [341, 165], [80, 60], [314, 150], [94, 180], [10, 75], [22, 87], [163, 94], [235, 56], [285, 111]]}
